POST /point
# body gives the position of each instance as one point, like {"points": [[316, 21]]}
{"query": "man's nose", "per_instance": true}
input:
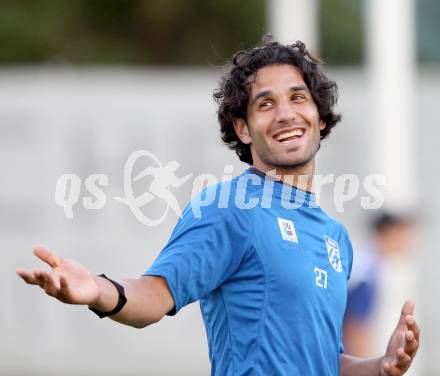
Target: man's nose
{"points": [[286, 112]]}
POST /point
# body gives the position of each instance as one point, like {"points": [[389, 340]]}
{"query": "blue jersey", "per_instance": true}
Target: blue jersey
{"points": [[270, 269]]}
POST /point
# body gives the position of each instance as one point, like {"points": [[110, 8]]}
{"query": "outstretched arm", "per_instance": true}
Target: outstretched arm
{"points": [[401, 350], [148, 298]]}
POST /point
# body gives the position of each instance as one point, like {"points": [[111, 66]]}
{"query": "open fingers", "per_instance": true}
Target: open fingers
{"points": [[411, 344], [407, 310], [51, 285], [413, 326], [48, 281], [45, 255], [391, 370], [404, 356], [399, 366], [39, 277], [403, 360], [27, 276]]}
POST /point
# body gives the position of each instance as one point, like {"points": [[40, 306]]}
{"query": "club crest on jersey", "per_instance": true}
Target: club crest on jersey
{"points": [[334, 255], [287, 230]]}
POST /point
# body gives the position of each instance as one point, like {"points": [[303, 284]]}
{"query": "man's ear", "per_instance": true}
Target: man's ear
{"points": [[242, 131], [322, 125]]}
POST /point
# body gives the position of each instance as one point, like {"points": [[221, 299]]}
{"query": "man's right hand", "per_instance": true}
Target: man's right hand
{"points": [[149, 297], [67, 280]]}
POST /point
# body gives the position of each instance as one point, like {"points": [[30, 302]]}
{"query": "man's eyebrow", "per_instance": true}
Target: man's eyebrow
{"points": [[266, 93], [299, 88], [261, 94]]}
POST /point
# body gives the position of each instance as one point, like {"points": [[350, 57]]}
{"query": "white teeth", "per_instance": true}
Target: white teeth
{"points": [[295, 132]]}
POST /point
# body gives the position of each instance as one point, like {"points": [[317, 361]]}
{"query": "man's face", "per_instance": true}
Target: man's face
{"points": [[283, 125]]}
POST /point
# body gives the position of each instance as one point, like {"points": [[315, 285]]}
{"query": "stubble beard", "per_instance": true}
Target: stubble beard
{"points": [[296, 163]]}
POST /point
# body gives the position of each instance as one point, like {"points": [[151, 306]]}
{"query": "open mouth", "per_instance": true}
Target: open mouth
{"points": [[290, 136]]}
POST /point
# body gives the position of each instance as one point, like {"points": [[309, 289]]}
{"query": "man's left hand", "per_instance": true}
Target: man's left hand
{"points": [[403, 344]]}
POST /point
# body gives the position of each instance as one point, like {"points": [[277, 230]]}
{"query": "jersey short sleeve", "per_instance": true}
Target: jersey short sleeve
{"points": [[202, 253]]}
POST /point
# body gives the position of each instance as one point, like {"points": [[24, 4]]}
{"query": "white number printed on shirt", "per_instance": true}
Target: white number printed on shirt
{"points": [[321, 278]]}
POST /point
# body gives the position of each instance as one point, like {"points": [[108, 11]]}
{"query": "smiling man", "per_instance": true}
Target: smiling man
{"points": [[271, 279], [283, 126]]}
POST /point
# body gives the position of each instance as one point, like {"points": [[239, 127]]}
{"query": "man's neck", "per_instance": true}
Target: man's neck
{"points": [[300, 177]]}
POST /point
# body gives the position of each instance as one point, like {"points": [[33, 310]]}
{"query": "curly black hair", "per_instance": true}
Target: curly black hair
{"points": [[232, 96]]}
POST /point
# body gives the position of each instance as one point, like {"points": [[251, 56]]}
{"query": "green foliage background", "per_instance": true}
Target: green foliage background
{"points": [[342, 31], [128, 31], [177, 32]]}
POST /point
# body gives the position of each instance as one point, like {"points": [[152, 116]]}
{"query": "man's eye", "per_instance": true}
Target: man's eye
{"points": [[298, 98], [265, 104]]}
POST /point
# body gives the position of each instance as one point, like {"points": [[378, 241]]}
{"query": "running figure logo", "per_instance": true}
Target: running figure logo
{"points": [[163, 178]]}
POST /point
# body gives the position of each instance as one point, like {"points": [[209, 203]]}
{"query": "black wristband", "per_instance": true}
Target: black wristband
{"points": [[121, 300]]}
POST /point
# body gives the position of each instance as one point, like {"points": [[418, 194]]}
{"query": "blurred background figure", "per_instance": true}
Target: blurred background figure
{"points": [[382, 276]]}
